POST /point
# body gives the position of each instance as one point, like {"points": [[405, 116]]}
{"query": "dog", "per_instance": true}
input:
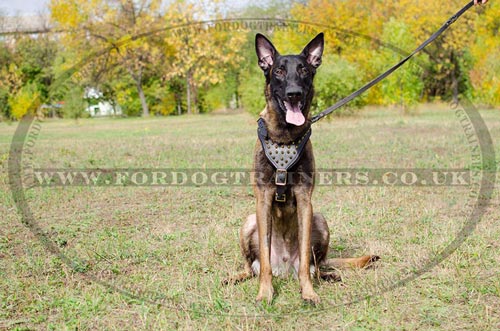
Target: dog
{"points": [[284, 235]]}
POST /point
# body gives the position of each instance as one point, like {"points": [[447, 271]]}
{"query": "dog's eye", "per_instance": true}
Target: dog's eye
{"points": [[279, 72], [304, 71]]}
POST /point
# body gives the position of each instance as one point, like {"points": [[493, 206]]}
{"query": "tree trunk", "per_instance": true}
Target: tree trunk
{"points": [[188, 89], [196, 102], [454, 78], [237, 88], [138, 83], [142, 97]]}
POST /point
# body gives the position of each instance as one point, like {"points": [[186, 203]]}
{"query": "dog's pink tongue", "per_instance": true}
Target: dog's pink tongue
{"points": [[294, 115]]}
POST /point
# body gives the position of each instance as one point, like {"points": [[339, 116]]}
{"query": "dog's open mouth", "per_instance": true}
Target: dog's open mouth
{"points": [[293, 112]]}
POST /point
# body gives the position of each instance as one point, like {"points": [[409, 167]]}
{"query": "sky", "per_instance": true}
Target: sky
{"points": [[23, 7], [27, 7]]}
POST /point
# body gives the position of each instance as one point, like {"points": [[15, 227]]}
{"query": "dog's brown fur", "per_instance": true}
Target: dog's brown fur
{"points": [[287, 236]]}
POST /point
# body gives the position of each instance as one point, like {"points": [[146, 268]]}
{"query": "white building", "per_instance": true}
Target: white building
{"points": [[104, 108]]}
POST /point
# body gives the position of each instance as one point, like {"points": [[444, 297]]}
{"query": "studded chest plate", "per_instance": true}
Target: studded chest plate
{"points": [[282, 156]]}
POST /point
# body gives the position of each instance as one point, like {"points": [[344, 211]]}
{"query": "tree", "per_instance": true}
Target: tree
{"points": [[202, 54], [10, 79], [448, 70], [405, 86], [349, 49], [248, 76], [485, 74], [74, 103], [358, 25], [35, 57], [118, 28], [25, 70], [25, 101]]}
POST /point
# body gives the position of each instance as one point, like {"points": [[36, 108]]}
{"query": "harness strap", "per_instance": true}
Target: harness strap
{"points": [[363, 89], [282, 156]]}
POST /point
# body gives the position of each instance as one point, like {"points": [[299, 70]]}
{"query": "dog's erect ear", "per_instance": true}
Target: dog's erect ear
{"points": [[314, 50], [266, 53]]}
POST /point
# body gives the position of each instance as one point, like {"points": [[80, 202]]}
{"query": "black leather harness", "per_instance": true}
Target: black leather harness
{"points": [[282, 156]]}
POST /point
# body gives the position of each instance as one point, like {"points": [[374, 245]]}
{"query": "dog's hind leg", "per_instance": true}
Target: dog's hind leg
{"points": [[320, 242], [249, 249]]}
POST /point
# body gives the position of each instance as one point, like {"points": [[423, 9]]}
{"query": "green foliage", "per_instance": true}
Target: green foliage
{"points": [[252, 91], [161, 98], [126, 95], [336, 79], [405, 86], [217, 97], [485, 71], [220, 66], [130, 103], [5, 110], [74, 104], [223, 95], [25, 101], [457, 61], [35, 58]]}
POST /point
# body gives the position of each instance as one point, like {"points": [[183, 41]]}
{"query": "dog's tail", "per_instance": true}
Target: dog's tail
{"points": [[352, 262], [241, 277]]}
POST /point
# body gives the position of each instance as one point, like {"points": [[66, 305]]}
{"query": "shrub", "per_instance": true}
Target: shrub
{"points": [[405, 86], [25, 101], [336, 79], [74, 104], [251, 91], [5, 112]]}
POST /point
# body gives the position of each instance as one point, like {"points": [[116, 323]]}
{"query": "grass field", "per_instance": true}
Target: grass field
{"points": [[151, 258]]}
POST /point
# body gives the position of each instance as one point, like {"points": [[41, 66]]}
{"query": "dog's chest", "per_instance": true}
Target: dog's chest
{"points": [[281, 155]]}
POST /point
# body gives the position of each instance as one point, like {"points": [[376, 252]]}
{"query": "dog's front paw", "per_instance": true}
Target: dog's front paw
{"points": [[308, 294], [311, 297], [266, 294]]}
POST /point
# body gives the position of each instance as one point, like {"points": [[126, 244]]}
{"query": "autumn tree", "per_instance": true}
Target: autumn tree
{"points": [[26, 74], [364, 34], [485, 73], [119, 31], [35, 58], [447, 73], [203, 53], [10, 79], [176, 56]]}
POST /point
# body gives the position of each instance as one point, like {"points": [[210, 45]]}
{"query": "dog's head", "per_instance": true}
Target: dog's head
{"points": [[289, 78]]}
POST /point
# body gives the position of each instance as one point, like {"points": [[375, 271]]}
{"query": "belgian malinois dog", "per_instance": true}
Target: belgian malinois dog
{"points": [[285, 236]]}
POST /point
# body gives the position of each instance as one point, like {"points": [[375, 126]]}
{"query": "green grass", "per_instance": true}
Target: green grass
{"points": [[150, 258]]}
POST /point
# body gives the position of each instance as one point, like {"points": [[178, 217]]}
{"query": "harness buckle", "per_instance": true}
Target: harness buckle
{"points": [[280, 197], [281, 177]]}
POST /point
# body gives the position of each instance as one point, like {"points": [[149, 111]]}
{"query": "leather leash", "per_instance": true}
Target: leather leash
{"points": [[363, 89]]}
